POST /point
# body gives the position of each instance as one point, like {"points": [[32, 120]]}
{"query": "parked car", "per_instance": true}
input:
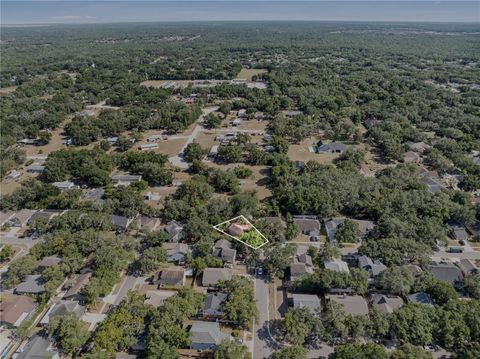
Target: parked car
{"points": [[455, 250], [461, 242]]}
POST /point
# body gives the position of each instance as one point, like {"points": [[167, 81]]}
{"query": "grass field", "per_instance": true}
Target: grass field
{"points": [[247, 74]]}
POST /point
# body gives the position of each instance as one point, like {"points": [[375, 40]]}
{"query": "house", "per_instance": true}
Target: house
{"points": [[157, 297], [176, 252], [294, 113], [112, 140], [237, 122], [420, 298], [13, 174], [224, 250], [39, 347], [446, 272], [467, 266], [411, 157], [29, 141], [21, 218], [35, 168], [337, 265], [331, 227], [365, 227], [334, 147], [386, 303], [48, 214], [309, 301], [49, 262], [352, 304], [62, 308], [206, 335], [299, 269], [94, 194], [152, 196], [148, 146], [458, 232], [373, 267], [15, 309], [64, 185], [85, 113], [175, 231], [125, 180], [33, 284], [237, 229], [212, 306], [121, 223], [433, 185], [212, 276], [74, 287], [302, 256], [276, 221], [213, 151], [150, 223], [242, 113], [171, 277], [155, 138], [418, 146], [308, 225]]}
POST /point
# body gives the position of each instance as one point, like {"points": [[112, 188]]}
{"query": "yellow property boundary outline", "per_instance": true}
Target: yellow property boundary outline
{"points": [[216, 227]]}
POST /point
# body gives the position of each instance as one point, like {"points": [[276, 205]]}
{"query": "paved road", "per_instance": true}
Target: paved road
{"points": [[263, 343], [177, 160], [128, 283]]}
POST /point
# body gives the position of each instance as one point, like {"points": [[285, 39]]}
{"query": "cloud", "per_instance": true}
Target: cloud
{"points": [[73, 17]]}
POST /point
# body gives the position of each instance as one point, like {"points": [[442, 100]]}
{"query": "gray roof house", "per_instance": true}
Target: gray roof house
{"points": [[213, 304], [307, 224], [299, 269], [171, 277], [468, 266], [446, 272], [61, 308], [310, 301], [224, 250], [33, 284], [206, 335], [21, 218], [458, 232], [374, 267], [433, 186], [331, 226], [121, 223], [49, 262], [176, 252], [175, 231], [420, 298], [212, 276], [352, 304], [39, 348], [125, 180], [386, 303], [337, 265], [334, 147], [75, 286]]}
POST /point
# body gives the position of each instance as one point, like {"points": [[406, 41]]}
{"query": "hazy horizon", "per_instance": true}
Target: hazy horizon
{"points": [[91, 12]]}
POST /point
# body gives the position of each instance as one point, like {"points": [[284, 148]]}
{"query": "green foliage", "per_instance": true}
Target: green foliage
{"points": [[397, 280], [360, 351], [193, 152], [292, 352], [472, 285], [6, 253], [18, 269], [212, 121], [300, 325], [151, 259], [347, 232], [277, 259], [409, 351], [70, 332], [231, 350], [240, 307]]}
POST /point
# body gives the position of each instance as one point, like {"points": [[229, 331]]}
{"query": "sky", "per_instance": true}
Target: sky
{"points": [[70, 11]]}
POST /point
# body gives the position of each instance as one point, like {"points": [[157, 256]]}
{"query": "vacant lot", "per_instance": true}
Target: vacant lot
{"points": [[247, 74], [6, 90], [301, 152]]}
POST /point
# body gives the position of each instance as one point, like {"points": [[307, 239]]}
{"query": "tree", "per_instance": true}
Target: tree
{"points": [[397, 280], [6, 253], [231, 350], [151, 259], [18, 269], [413, 324], [471, 284], [278, 258], [292, 352], [212, 121], [229, 153], [193, 152], [347, 232], [360, 351], [70, 332], [408, 351], [301, 325], [329, 252], [240, 306]]}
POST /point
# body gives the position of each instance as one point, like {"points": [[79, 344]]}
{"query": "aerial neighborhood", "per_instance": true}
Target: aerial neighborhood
{"points": [[196, 191]]}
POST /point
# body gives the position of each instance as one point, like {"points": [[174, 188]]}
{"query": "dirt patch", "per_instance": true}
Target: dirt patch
{"points": [[301, 152], [247, 74], [7, 90]]}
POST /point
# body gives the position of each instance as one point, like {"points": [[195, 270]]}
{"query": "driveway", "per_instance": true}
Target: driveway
{"points": [[263, 343], [177, 160]]}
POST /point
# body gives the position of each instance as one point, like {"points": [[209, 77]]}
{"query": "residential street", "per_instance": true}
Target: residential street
{"points": [[263, 343]]}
